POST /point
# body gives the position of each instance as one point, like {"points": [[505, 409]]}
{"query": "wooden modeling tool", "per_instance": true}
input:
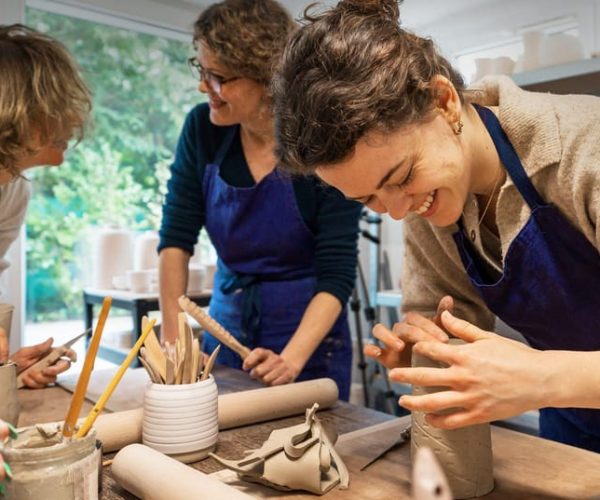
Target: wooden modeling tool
{"points": [[154, 351], [151, 368], [210, 363], [50, 359], [213, 327], [99, 406], [86, 371]]}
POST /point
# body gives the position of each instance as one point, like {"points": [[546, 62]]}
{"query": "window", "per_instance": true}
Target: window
{"points": [[142, 91]]}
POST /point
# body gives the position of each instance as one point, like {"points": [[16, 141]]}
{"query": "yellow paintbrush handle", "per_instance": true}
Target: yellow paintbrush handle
{"points": [[99, 406]]}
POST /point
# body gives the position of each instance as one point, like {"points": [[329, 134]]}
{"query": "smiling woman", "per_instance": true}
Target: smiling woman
{"points": [[286, 246], [499, 191]]}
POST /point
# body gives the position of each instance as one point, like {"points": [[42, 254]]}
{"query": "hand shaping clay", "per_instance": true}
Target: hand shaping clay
{"points": [[119, 429], [301, 457], [464, 454], [148, 473]]}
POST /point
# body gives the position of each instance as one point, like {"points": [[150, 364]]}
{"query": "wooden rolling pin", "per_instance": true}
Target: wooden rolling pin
{"points": [[135, 469], [120, 429], [213, 327]]}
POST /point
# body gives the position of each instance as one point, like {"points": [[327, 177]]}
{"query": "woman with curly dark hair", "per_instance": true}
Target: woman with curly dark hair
{"points": [[499, 190], [287, 247]]}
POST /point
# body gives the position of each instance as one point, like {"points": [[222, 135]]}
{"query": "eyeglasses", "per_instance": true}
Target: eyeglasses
{"points": [[214, 81]]}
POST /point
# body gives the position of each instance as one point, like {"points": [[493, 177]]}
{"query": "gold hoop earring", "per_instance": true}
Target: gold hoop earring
{"points": [[457, 129]]}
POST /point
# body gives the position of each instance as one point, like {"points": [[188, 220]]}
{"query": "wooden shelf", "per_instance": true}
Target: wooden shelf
{"points": [[577, 77]]}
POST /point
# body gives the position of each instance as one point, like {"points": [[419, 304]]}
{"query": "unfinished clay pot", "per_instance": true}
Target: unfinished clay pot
{"points": [[9, 402], [464, 454]]}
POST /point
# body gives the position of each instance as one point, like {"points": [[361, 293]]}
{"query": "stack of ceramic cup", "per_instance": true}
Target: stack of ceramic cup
{"points": [[181, 420]]}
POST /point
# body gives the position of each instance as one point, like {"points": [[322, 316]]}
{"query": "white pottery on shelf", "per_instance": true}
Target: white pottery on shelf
{"points": [[196, 278], [559, 49], [145, 255], [181, 419], [112, 256]]}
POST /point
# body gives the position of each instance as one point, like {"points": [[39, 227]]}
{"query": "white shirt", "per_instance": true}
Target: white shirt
{"points": [[14, 198]]}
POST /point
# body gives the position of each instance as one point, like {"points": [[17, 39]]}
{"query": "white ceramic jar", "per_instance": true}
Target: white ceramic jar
{"points": [[181, 420]]}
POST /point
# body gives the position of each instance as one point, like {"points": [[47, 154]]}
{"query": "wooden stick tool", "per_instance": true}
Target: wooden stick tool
{"points": [[213, 327], [86, 371], [99, 406]]}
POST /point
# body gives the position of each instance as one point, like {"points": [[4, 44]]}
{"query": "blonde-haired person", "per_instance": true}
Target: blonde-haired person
{"points": [[287, 247], [44, 103], [499, 190]]}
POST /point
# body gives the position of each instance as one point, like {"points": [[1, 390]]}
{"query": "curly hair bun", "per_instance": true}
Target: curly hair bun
{"points": [[389, 9]]}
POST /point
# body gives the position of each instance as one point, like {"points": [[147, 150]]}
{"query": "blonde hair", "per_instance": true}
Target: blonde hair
{"points": [[41, 90]]}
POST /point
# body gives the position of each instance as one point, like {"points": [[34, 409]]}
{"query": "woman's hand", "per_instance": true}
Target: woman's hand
{"points": [[270, 368], [37, 379], [489, 378], [398, 341]]}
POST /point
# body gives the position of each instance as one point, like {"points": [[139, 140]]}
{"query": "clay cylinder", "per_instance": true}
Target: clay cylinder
{"points": [[119, 429], [52, 468], [148, 473], [9, 402], [6, 313], [465, 454]]}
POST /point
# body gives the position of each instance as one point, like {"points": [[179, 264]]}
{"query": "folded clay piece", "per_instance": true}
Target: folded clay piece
{"points": [[301, 457]]}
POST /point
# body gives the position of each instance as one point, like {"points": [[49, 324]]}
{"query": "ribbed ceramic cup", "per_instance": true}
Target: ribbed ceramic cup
{"points": [[168, 409]]}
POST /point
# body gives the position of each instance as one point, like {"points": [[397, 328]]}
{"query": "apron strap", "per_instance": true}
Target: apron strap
{"points": [[510, 158]]}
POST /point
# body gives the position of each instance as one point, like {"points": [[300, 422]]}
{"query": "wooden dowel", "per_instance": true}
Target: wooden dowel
{"points": [[86, 371], [213, 327], [99, 406]]}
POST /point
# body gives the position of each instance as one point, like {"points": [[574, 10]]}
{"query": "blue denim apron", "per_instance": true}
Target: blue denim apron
{"points": [[548, 290], [265, 274]]}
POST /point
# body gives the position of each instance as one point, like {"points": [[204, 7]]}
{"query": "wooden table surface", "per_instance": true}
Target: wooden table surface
{"points": [[525, 467]]}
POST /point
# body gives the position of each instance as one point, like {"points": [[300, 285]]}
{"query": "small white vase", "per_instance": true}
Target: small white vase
{"points": [[163, 428]]}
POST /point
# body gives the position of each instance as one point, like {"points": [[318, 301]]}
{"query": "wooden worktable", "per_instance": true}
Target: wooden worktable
{"points": [[525, 467]]}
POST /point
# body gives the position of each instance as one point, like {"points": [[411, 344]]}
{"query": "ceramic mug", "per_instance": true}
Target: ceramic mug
{"points": [[139, 281], [9, 402], [169, 408]]}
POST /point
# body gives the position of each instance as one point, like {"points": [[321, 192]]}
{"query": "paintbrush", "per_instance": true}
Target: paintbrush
{"points": [[99, 406], [86, 371]]}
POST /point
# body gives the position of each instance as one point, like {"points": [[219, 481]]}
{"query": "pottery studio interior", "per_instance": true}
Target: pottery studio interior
{"points": [[423, 322]]}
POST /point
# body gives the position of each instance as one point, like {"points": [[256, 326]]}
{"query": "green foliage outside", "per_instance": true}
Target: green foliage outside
{"points": [[142, 91]]}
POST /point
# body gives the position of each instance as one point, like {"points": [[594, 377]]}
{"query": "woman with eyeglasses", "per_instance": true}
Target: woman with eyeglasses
{"points": [[286, 247]]}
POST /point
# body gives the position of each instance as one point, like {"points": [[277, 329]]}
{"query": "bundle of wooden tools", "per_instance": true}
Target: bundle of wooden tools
{"points": [[178, 363]]}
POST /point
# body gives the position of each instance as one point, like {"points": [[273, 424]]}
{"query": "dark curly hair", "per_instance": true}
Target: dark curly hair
{"points": [[346, 72], [247, 36]]}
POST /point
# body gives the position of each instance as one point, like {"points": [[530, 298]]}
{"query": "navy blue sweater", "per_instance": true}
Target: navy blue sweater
{"points": [[332, 219]]}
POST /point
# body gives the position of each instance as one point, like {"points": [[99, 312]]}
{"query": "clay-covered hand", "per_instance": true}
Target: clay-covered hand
{"points": [[270, 368], [414, 328], [37, 379], [3, 346], [488, 378]]}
